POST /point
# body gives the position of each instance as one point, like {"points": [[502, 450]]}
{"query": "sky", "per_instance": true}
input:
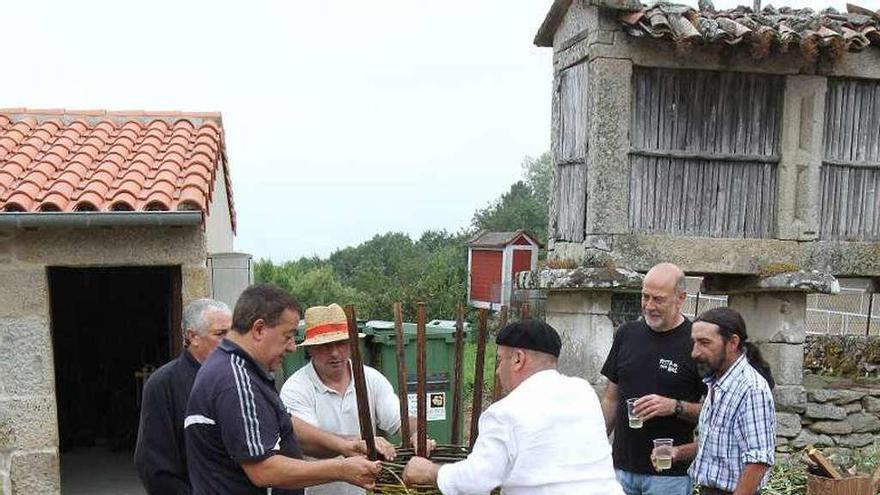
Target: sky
{"points": [[343, 119]]}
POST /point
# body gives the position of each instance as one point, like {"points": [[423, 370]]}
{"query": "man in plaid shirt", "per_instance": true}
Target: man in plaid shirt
{"points": [[737, 428]]}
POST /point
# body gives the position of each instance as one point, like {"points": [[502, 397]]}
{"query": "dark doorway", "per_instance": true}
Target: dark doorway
{"points": [[110, 327]]}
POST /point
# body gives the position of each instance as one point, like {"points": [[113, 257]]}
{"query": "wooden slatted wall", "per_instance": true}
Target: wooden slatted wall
{"points": [[850, 178], [705, 146], [571, 155]]}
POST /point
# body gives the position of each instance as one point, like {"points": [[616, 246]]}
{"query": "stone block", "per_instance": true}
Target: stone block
{"points": [[112, 246], [801, 158], [786, 362], [854, 407], [782, 441], [195, 283], [579, 303], [787, 424], [777, 317], [807, 437], [24, 291], [586, 339], [871, 404], [838, 397], [26, 362], [35, 472], [746, 256], [831, 427], [609, 101], [855, 440], [581, 279], [825, 411], [863, 422], [790, 398], [28, 423]]}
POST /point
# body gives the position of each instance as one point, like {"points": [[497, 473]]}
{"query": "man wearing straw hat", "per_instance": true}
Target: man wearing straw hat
{"points": [[239, 437], [546, 436], [322, 392]]}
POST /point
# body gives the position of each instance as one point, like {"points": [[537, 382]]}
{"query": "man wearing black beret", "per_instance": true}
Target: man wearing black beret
{"points": [[546, 436]]}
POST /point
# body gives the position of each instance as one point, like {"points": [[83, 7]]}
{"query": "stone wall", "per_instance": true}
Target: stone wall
{"points": [[29, 459], [837, 420]]}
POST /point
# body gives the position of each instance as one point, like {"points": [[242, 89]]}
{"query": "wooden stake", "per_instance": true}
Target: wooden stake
{"points": [[455, 438], [360, 385], [480, 364], [502, 322], [402, 389], [421, 376]]}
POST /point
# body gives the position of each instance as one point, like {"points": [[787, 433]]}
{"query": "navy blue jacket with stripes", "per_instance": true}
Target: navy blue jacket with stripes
{"points": [[234, 416]]}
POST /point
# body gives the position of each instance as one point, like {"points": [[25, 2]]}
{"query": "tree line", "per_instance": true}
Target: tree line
{"points": [[392, 267]]}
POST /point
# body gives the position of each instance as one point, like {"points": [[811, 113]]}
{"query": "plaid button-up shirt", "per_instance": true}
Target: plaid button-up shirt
{"points": [[737, 427]]}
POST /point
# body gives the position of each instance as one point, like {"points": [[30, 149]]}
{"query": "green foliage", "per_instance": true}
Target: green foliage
{"points": [[392, 267], [525, 205], [386, 269]]}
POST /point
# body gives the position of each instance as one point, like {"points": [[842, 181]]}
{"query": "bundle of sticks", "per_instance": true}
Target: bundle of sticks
{"points": [[390, 480]]}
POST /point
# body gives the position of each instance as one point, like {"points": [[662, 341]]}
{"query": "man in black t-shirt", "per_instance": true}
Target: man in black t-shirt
{"points": [[650, 360]]}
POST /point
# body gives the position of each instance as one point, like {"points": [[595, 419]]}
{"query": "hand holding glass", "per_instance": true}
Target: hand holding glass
{"points": [[662, 453], [634, 421]]}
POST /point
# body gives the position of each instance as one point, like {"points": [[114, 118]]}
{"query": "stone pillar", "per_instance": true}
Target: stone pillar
{"points": [[775, 311], [582, 320], [800, 164], [609, 103], [579, 306]]}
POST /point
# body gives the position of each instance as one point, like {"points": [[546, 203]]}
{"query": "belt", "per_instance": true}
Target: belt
{"points": [[708, 490]]}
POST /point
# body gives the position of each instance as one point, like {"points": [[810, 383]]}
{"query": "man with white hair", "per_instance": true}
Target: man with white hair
{"points": [[160, 455]]}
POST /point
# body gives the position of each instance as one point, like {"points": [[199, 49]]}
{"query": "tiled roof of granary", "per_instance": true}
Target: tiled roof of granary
{"points": [[783, 28], [64, 160], [769, 29]]}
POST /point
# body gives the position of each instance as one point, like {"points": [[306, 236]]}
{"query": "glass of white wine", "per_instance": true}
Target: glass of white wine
{"points": [[662, 453], [634, 420]]}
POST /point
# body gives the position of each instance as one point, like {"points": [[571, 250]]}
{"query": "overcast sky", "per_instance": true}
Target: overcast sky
{"points": [[343, 118]]}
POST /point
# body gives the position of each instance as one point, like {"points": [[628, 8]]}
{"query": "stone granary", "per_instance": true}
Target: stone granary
{"points": [[107, 223], [743, 146]]}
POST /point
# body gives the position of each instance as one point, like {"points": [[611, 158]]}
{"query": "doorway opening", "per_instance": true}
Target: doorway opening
{"points": [[110, 328]]}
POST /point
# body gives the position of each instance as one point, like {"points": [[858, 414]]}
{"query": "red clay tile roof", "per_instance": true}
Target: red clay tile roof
{"points": [[854, 30], [770, 28], [64, 160]]}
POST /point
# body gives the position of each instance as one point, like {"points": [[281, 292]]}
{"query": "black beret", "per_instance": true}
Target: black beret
{"points": [[530, 334]]}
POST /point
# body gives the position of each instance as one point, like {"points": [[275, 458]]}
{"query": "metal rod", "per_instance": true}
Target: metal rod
{"points": [[502, 322], [360, 384], [402, 390], [421, 393], [870, 311], [480, 364], [697, 306], [457, 384]]}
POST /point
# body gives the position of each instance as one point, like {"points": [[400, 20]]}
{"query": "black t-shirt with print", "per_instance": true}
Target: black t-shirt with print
{"points": [[643, 362]]}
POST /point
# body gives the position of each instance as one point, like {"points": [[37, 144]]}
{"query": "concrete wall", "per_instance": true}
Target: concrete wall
{"points": [[218, 224], [29, 459]]}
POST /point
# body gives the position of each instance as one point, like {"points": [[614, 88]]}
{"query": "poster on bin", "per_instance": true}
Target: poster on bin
{"points": [[436, 405]]}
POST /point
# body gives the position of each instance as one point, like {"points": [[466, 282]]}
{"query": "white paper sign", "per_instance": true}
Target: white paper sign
{"points": [[436, 405]]}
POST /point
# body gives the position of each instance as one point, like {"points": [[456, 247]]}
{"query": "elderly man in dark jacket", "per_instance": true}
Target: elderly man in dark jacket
{"points": [[160, 455]]}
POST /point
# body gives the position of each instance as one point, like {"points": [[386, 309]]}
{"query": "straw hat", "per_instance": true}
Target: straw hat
{"points": [[325, 324]]}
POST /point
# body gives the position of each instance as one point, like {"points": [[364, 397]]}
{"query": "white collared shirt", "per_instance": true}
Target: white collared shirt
{"points": [[307, 398], [546, 437]]}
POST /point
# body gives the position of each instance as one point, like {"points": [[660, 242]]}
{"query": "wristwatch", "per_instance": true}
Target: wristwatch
{"points": [[679, 407]]}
